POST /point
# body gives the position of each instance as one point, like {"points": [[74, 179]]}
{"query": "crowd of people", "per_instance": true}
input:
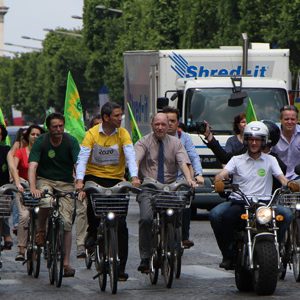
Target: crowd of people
{"points": [[55, 161]]}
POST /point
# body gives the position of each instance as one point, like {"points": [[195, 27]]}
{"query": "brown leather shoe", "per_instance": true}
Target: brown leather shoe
{"points": [[68, 271], [187, 244]]}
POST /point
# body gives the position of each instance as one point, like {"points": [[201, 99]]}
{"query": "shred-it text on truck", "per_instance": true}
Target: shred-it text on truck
{"points": [[200, 83]]}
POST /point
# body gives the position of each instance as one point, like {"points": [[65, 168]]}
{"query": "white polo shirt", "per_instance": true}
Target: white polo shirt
{"points": [[254, 176]]}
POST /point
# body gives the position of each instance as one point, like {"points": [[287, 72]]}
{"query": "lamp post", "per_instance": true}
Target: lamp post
{"points": [[77, 35], [77, 17], [117, 12], [23, 46], [30, 38]]}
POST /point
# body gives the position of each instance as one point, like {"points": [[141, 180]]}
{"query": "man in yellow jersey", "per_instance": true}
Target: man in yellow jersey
{"points": [[104, 151]]}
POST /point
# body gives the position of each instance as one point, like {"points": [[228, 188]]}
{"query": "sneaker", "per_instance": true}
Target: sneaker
{"points": [[122, 276], [81, 252], [144, 266], [187, 244], [20, 257], [68, 271], [7, 245]]}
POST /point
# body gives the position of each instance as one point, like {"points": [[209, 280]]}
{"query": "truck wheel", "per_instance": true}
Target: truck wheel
{"points": [[265, 273]]}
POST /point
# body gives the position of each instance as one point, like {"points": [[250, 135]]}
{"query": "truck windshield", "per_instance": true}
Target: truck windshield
{"points": [[211, 105]]}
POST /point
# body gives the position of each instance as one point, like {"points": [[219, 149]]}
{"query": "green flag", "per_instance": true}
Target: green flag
{"points": [[2, 121], [135, 132], [49, 111], [250, 112], [74, 123]]}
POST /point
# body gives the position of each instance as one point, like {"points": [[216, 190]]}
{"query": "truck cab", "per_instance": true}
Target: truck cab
{"points": [[207, 99]]}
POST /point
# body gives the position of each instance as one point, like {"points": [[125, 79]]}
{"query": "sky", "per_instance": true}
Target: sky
{"points": [[30, 17]]}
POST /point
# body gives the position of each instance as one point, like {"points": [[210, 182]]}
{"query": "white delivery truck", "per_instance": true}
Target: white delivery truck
{"points": [[200, 83]]}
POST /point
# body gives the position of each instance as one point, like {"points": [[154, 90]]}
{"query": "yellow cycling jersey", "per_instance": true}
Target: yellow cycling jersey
{"points": [[107, 159]]}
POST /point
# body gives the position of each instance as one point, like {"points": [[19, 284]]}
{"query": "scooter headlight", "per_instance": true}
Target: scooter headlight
{"points": [[263, 215], [36, 209], [298, 206]]}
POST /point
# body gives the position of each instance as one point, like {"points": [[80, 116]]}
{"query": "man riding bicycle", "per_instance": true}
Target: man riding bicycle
{"points": [[51, 164], [104, 151], [159, 156]]}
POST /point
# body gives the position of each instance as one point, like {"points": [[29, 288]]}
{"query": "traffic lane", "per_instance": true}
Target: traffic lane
{"points": [[201, 277]]}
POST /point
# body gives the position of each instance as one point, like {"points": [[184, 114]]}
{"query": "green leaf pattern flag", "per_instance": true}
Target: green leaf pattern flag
{"points": [[135, 132], [49, 111], [74, 123], [2, 121], [250, 112]]}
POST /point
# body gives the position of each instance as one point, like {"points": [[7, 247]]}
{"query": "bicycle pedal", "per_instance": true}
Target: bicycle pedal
{"points": [[96, 276]]}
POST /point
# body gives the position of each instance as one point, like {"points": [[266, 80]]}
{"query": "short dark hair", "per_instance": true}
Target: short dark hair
{"points": [[236, 122], [53, 116], [108, 108], [97, 117], [3, 132], [29, 129], [169, 109]]}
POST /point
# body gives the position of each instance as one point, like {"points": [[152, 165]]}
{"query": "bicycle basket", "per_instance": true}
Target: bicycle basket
{"points": [[5, 202], [30, 201], [289, 200], [176, 200], [116, 203]]}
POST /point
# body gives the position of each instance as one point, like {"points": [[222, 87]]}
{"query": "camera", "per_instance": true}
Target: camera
{"points": [[201, 127]]}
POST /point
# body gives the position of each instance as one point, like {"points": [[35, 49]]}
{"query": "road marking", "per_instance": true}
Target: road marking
{"points": [[82, 289], [205, 272], [10, 281]]}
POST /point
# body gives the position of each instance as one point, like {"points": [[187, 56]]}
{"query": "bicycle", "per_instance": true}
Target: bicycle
{"points": [[33, 251], [109, 204], [167, 201], [291, 248], [55, 238], [6, 198]]}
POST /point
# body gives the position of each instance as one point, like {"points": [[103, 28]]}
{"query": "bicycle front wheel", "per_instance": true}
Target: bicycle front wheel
{"points": [[178, 252], [59, 253], [35, 251], [30, 246], [100, 264], [112, 259], [296, 249], [169, 251]]}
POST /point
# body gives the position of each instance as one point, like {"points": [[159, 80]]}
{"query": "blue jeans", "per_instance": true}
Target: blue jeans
{"points": [[215, 217]]}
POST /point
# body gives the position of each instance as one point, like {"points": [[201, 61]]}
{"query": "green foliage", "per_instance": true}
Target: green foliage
{"points": [[34, 81]]}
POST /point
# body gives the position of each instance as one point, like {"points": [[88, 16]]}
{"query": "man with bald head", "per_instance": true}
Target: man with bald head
{"points": [[159, 156]]}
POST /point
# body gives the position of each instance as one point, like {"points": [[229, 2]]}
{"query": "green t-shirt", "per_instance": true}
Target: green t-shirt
{"points": [[55, 163]]}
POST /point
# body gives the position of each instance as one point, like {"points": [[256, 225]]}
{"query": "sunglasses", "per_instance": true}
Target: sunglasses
{"points": [[289, 107]]}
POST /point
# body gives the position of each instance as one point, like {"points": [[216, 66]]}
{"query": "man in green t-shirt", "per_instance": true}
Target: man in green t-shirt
{"points": [[51, 164]]}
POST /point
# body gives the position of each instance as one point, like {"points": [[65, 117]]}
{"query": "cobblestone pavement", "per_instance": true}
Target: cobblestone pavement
{"points": [[201, 278]]}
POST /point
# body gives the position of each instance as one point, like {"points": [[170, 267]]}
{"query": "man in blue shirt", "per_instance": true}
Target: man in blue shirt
{"points": [[196, 168]]}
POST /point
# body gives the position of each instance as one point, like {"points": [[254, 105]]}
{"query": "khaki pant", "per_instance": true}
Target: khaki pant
{"points": [[66, 207], [23, 222], [81, 222]]}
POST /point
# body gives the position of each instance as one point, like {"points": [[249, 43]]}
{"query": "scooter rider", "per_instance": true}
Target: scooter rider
{"points": [[253, 172]]}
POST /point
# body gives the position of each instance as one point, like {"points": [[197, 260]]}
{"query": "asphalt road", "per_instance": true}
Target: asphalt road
{"points": [[201, 277]]}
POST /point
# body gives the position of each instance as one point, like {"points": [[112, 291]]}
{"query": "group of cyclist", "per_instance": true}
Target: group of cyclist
{"points": [[165, 154]]}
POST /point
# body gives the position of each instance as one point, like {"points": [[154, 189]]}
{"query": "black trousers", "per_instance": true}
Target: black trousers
{"points": [[93, 222]]}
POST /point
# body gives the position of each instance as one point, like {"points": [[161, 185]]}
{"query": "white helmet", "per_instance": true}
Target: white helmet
{"points": [[256, 129]]}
